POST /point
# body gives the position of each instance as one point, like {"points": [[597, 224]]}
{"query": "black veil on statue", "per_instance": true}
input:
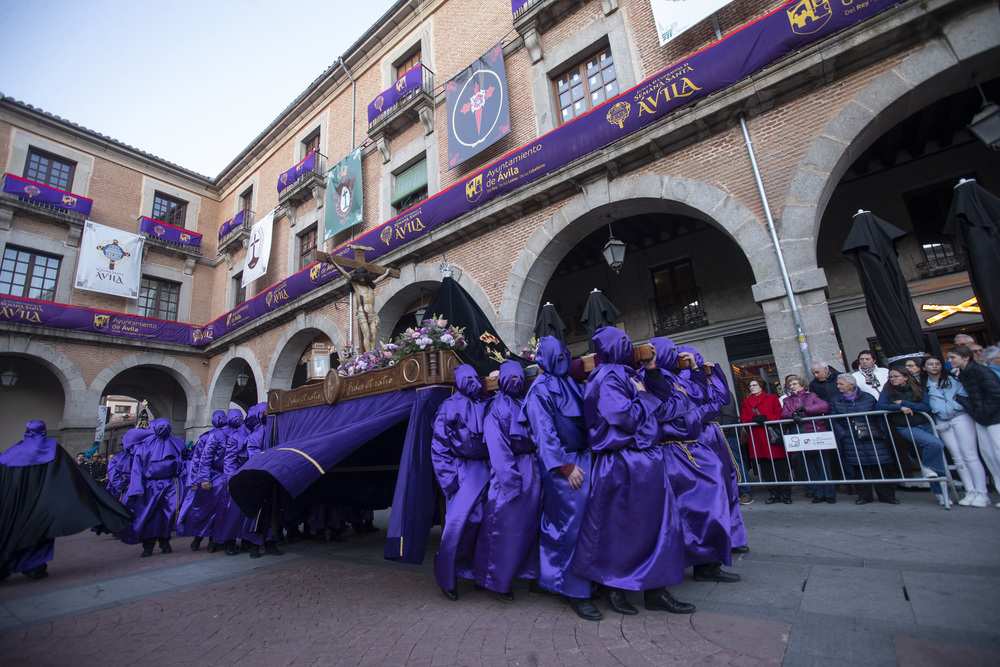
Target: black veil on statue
{"points": [[974, 221], [871, 245], [485, 351]]}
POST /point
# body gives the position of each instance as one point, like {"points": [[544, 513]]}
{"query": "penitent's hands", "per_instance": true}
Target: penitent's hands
{"points": [[575, 478]]}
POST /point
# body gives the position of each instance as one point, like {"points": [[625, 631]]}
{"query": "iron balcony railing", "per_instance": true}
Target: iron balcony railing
{"points": [[680, 313]]}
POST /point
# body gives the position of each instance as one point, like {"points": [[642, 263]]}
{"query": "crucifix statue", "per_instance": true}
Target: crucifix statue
{"points": [[363, 276]]}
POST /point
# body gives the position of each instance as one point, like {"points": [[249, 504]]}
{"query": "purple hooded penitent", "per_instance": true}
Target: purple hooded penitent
{"points": [[696, 474], [508, 537], [197, 515], [631, 535], [153, 484], [553, 418], [462, 467]]}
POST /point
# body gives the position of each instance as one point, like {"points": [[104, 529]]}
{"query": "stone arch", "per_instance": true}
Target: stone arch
{"points": [[225, 376], [179, 371], [79, 408], [603, 202], [392, 300], [967, 44], [281, 367]]}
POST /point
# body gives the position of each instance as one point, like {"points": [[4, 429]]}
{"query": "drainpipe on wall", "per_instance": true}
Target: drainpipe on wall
{"points": [[796, 318], [350, 297]]}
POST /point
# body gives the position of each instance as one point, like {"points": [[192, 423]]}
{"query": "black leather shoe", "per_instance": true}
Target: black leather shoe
{"points": [[664, 601], [891, 501], [196, 544], [817, 500], [832, 501], [39, 572], [271, 549], [714, 572], [786, 500], [617, 601], [165, 547], [507, 597], [212, 547], [772, 500], [741, 550], [232, 549], [255, 551], [862, 501], [146, 553], [585, 609], [450, 594]]}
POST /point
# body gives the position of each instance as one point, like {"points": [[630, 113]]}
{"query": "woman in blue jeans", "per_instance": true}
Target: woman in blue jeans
{"points": [[903, 396]]}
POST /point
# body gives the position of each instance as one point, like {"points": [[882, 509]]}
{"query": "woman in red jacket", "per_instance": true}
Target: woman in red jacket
{"points": [[772, 462]]}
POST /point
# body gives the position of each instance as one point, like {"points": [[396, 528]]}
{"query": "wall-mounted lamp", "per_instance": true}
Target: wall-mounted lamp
{"points": [[242, 379], [986, 123], [9, 378]]}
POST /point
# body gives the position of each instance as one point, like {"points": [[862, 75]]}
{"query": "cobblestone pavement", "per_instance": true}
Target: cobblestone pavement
{"points": [[823, 585]]}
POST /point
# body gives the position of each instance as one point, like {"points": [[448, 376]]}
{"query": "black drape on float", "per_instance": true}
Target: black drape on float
{"points": [[974, 221], [485, 351], [599, 312], [871, 245], [550, 324]]}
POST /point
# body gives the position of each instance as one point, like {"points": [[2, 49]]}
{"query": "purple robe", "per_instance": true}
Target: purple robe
{"points": [[122, 477], [197, 515], [553, 417], [153, 485], [631, 536], [462, 467], [229, 519], [717, 395], [696, 474], [508, 537]]}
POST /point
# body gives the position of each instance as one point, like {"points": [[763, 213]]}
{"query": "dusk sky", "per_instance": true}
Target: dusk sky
{"points": [[192, 82]]}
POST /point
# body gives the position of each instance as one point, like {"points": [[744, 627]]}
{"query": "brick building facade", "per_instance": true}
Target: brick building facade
{"points": [[871, 117]]}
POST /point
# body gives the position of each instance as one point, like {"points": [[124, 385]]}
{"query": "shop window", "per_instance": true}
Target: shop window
{"points": [[585, 86], [29, 274], [158, 299], [49, 170], [169, 210]]}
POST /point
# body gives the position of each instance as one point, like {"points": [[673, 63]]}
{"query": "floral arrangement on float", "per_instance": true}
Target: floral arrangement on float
{"points": [[435, 334], [530, 349]]}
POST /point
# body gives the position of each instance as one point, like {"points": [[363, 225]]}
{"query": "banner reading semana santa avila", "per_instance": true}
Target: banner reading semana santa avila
{"points": [[478, 110], [344, 196], [672, 17], [110, 261], [259, 249]]}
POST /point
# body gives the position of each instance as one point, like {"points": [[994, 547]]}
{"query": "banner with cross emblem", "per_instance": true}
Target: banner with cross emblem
{"points": [[258, 249], [478, 109]]}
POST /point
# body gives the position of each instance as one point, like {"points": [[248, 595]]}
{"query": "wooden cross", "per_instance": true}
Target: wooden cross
{"points": [[358, 261]]}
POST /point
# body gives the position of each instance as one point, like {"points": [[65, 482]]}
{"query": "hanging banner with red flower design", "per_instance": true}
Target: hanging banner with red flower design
{"points": [[478, 110]]}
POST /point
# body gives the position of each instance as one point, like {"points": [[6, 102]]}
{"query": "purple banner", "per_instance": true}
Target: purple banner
{"points": [[478, 113], [274, 297], [22, 187], [162, 230], [410, 80], [308, 163], [44, 313], [516, 5], [230, 225]]}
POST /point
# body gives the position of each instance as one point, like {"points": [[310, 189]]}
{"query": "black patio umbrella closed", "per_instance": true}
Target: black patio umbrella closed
{"points": [[871, 245], [549, 323], [974, 221], [599, 312]]}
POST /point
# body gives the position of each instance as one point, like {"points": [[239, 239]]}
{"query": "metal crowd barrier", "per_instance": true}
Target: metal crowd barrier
{"points": [[797, 444]]}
